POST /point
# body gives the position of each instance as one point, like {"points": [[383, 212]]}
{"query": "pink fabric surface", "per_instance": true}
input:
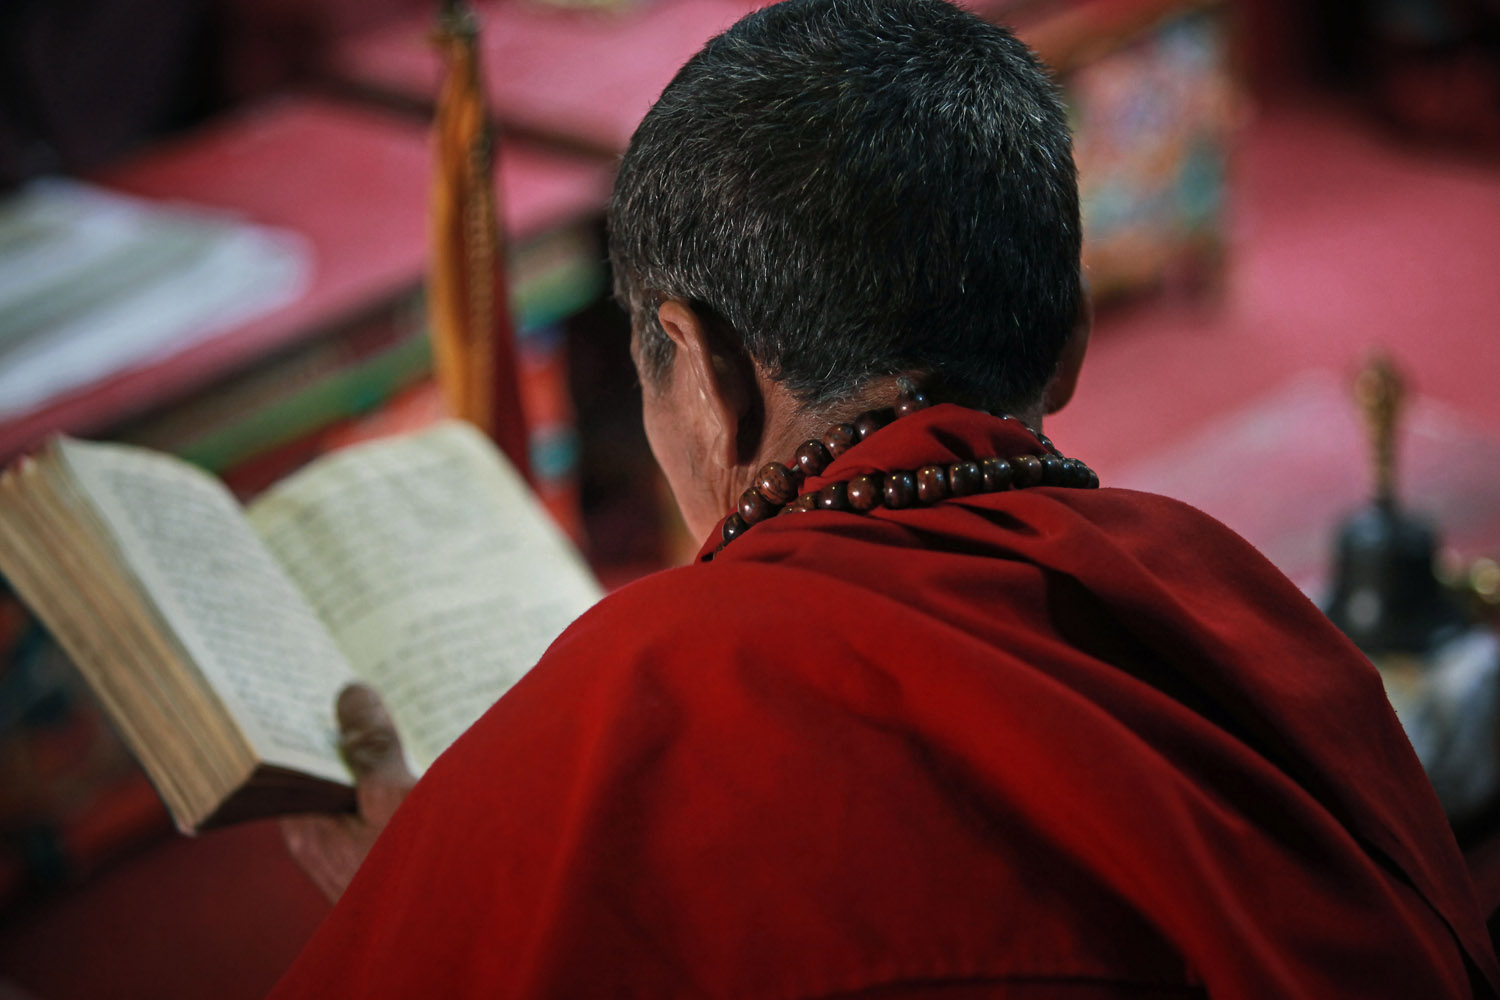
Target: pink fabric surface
{"points": [[584, 77], [1286, 467]]}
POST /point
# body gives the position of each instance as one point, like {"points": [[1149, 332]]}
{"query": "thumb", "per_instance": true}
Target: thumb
{"points": [[368, 739]]}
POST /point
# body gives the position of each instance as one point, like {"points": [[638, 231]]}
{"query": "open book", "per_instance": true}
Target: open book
{"points": [[217, 639]]}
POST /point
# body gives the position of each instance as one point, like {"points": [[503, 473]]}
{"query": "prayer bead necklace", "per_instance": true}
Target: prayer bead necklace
{"points": [[775, 491]]}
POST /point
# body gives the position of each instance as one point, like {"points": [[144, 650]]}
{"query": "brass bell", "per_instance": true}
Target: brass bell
{"points": [[1386, 595]]}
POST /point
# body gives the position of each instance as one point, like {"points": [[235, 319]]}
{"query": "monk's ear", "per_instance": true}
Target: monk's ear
{"points": [[717, 384], [1070, 364]]}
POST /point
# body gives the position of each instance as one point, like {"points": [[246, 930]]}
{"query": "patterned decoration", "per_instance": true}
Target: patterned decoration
{"points": [[1153, 121]]}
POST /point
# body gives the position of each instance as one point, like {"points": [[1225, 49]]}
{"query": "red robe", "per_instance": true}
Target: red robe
{"points": [[1041, 743]]}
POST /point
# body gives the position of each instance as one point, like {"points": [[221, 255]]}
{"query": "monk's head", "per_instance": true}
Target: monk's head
{"points": [[834, 193]]}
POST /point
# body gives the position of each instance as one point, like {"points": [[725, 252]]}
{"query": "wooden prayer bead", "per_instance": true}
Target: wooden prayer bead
{"points": [[965, 478], [801, 505], [834, 496], [813, 458], [1052, 470], [869, 422], [734, 527], [865, 492], [753, 507], [900, 489], [776, 483], [932, 483], [909, 404], [1027, 470], [840, 438], [997, 474]]}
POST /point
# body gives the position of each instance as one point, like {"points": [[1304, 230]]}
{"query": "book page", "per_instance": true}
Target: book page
{"points": [[435, 569], [238, 616]]}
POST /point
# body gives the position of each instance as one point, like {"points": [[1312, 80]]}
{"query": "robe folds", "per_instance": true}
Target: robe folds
{"points": [[1041, 743]]}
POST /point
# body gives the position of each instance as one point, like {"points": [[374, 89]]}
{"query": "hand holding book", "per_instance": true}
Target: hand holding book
{"points": [[331, 848]]}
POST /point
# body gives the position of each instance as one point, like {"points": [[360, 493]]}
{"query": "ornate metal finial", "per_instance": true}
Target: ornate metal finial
{"points": [[1380, 391], [457, 19]]}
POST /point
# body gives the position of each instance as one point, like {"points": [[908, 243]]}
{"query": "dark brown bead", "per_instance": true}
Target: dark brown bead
{"points": [[900, 489], [840, 438], [800, 505], [871, 421], [1093, 483], [965, 478], [834, 496], [907, 405], [1052, 470], [1074, 473], [734, 527], [813, 458], [1046, 442], [753, 507], [865, 492], [776, 483], [1027, 470], [997, 474], [932, 483]]}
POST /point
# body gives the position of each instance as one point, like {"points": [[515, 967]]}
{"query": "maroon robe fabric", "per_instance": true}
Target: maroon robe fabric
{"points": [[1043, 743]]}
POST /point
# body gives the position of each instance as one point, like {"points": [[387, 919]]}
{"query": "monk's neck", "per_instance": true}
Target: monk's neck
{"points": [[789, 423]]}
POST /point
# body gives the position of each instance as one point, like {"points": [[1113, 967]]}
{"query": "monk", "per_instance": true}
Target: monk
{"points": [[931, 714]]}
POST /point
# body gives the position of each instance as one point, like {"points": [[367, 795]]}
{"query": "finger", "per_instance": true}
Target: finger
{"points": [[359, 705], [325, 849], [368, 738]]}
